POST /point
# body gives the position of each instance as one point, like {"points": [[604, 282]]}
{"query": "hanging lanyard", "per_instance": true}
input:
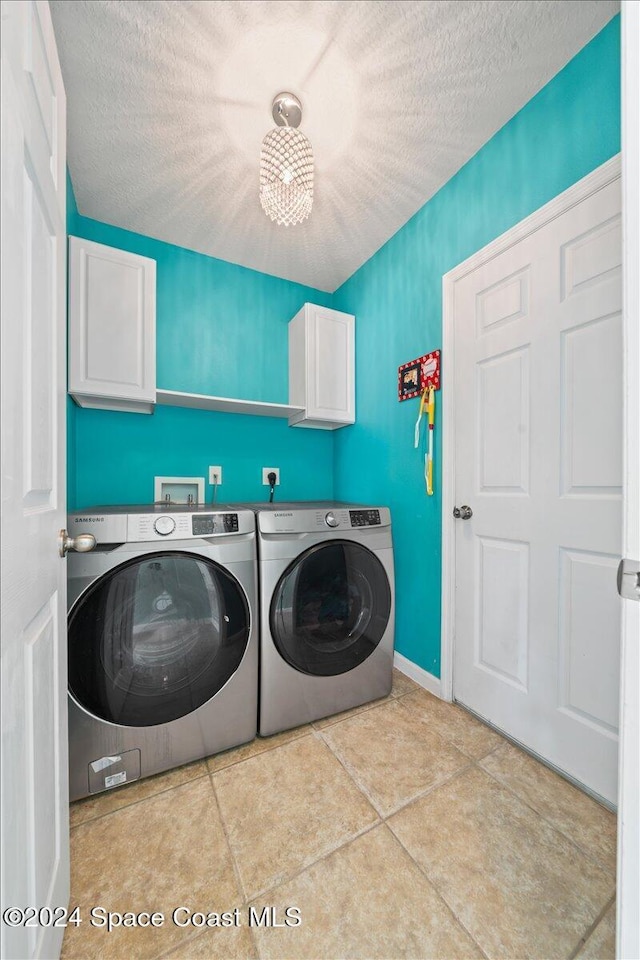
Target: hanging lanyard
{"points": [[431, 407], [423, 404]]}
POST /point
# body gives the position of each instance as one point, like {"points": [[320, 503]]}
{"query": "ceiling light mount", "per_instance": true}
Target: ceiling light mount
{"points": [[286, 110]]}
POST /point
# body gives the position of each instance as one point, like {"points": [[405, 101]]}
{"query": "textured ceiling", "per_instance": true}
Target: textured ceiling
{"points": [[168, 101]]}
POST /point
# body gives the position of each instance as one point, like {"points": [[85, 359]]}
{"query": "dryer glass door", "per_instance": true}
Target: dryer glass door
{"points": [[155, 638], [330, 608]]}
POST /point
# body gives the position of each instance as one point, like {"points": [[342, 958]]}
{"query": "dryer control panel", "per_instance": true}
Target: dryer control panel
{"points": [[364, 518], [330, 519]]}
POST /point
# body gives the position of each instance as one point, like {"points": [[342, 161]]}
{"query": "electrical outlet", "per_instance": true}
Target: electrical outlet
{"points": [[265, 475], [213, 473]]}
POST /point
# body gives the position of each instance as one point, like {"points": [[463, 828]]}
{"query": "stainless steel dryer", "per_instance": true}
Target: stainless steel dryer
{"points": [[163, 640], [326, 610]]}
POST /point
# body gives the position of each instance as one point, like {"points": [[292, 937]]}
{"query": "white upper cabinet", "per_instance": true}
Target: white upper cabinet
{"points": [[112, 328], [321, 368]]}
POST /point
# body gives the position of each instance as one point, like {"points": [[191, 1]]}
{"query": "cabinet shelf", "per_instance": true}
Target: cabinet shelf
{"points": [[202, 401]]}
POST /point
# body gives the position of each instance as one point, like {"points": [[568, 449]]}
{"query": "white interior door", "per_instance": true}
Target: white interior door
{"points": [[628, 926], [538, 459], [35, 857]]}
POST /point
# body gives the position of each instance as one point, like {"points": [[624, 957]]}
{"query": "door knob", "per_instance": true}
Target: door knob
{"points": [[463, 513], [82, 543]]}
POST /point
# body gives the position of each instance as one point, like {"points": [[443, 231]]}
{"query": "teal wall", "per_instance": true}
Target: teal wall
{"points": [[222, 330], [570, 127]]}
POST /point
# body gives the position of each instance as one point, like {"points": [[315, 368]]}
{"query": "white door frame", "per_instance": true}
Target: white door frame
{"points": [[628, 928], [584, 188]]}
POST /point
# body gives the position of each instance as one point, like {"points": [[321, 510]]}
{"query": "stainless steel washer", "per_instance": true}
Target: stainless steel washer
{"points": [[163, 640], [326, 610]]}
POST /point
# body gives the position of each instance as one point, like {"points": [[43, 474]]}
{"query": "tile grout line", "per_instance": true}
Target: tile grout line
{"points": [[381, 818], [586, 853], [287, 878], [425, 793], [208, 772], [471, 761], [435, 889], [327, 722], [274, 746], [359, 786], [449, 740], [591, 930], [364, 790], [236, 869], [476, 764], [189, 938], [134, 803]]}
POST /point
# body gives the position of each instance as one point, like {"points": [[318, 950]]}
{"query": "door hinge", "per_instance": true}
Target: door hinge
{"points": [[629, 579]]}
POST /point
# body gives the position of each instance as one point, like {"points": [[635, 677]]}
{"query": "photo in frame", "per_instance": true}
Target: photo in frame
{"points": [[418, 375]]}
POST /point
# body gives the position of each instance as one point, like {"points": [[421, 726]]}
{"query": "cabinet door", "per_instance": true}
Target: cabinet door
{"points": [[330, 386], [112, 352], [321, 367]]}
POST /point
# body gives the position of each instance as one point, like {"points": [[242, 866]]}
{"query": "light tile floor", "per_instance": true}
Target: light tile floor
{"points": [[401, 829]]}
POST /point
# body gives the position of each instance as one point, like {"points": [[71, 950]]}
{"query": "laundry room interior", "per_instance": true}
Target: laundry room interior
{"points": [[329, 410]]}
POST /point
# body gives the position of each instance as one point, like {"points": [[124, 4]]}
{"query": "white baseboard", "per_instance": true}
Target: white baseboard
{"points": [[421, 677]]}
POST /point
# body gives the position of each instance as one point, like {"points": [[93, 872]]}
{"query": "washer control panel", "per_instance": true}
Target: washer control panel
{"points": [[364, 518], [143, 523], [205, 525], [185, 526]]}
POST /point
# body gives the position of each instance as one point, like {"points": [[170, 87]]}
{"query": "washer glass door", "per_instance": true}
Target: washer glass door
{"points": [[155, 638], [330, 608]]}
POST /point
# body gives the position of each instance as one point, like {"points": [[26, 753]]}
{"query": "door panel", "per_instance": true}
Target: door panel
{"points": [[591, 353], [538, 457], [39, 371], [502, 634], [34, 849], [587, 608], [503, 442]]}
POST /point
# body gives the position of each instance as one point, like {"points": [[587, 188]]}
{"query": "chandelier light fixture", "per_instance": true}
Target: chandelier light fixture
{"points": [[286, 165]]}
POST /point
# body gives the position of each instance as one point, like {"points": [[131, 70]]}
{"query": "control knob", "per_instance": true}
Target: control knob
{"points": [[331, 520], [164, 526]]}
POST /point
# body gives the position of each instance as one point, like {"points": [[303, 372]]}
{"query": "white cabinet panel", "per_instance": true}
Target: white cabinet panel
{"points": [[321, 368], [112, 295]]}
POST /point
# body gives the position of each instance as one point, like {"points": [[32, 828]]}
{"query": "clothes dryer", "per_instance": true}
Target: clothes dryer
{"points": [[326, 610], [163, 640]]}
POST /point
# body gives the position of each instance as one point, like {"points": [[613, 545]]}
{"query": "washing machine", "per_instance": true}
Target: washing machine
{"points": [[163, 640], [326, 610]]}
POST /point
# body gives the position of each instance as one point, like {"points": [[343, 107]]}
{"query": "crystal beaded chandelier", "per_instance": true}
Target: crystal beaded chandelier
{"points": [[286, 165]]}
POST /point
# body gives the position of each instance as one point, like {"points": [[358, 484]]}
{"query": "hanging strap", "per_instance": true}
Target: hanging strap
{"points": [[423, 405]]}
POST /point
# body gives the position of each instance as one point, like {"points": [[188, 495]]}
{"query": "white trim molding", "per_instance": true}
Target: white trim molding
{"points": [[592, 183], [627, 926], [422, 677]]}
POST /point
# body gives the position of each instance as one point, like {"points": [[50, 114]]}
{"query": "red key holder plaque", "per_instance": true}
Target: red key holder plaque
{"points": [[419, 375]]}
